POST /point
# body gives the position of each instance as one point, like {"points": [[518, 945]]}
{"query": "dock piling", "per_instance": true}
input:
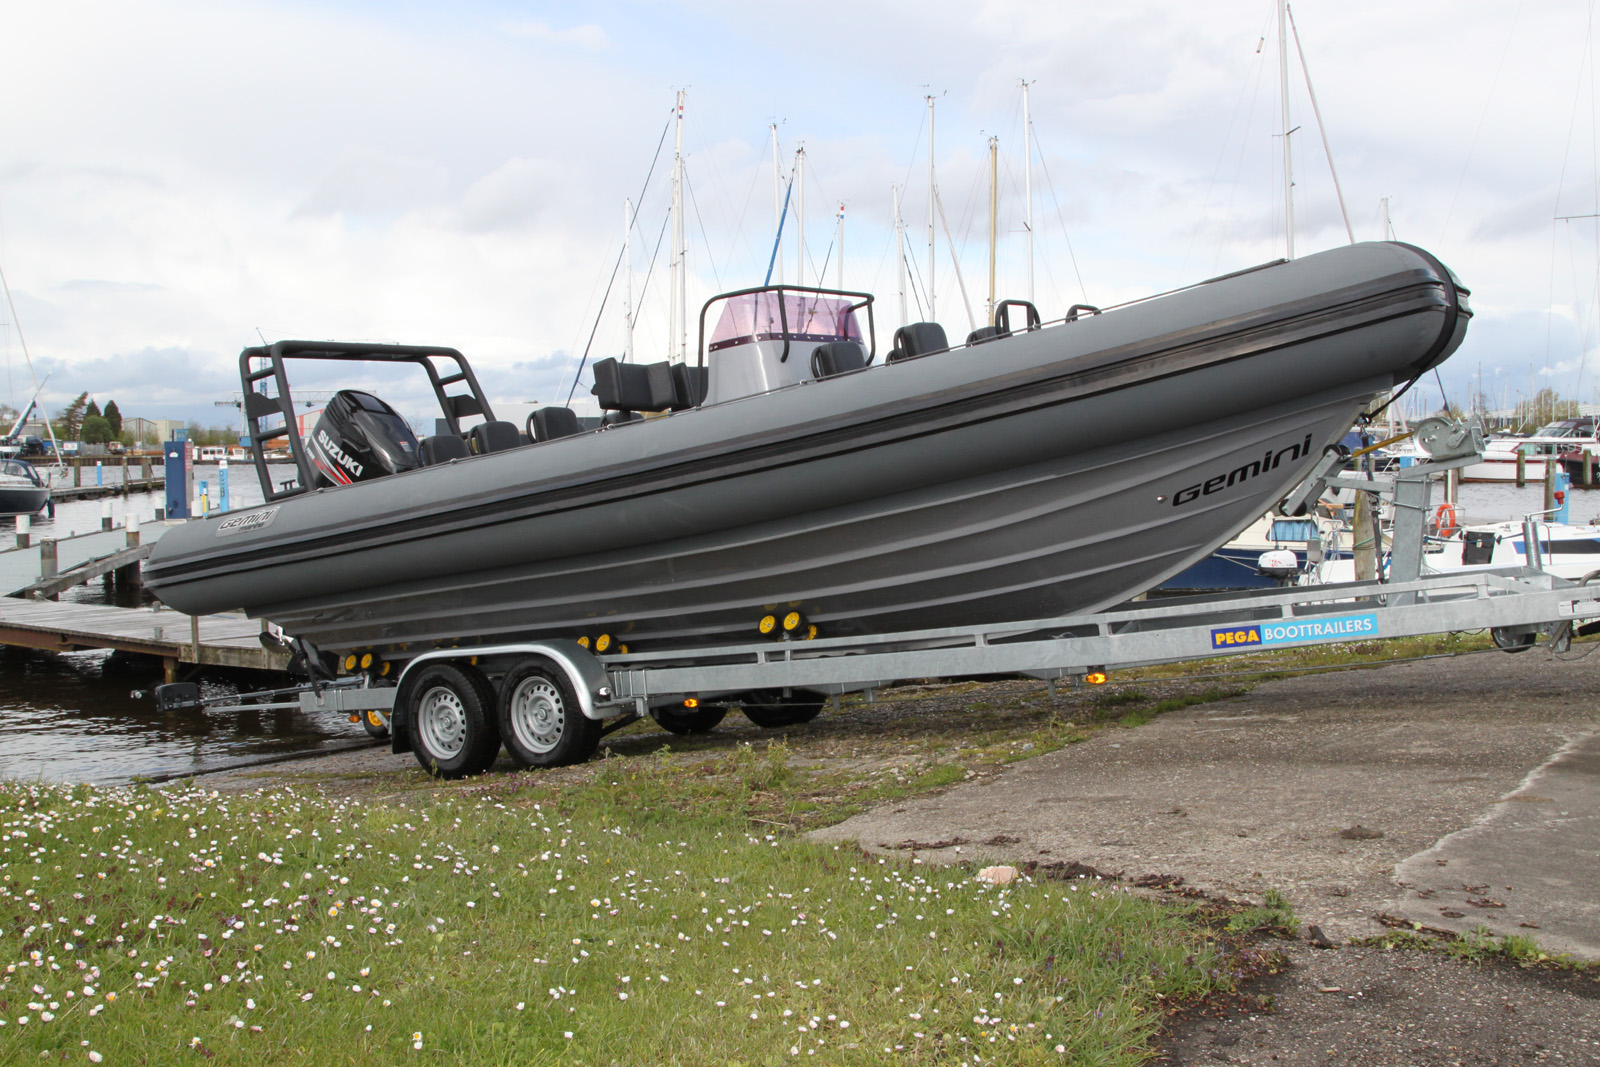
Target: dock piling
{"points": [[24, 531], [1522, 468], [105, 515], [47, 557]]}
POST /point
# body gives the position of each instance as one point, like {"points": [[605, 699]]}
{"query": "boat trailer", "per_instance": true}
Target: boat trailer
{"points": [[550, 701]]}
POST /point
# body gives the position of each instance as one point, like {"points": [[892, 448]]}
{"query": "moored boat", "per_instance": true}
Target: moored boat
{"points": [[796, 469], [22, 491]]}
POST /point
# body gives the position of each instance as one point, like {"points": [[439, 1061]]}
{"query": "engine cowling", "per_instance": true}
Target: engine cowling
{"points": [[359, 438]]}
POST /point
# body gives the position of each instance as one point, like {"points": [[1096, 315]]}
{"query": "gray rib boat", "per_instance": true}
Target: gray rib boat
{"points": [[1036, 470]]}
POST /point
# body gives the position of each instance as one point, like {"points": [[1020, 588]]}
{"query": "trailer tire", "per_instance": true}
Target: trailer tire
{"points": [[770, 709], [375, 726], [677, 719], [541, 720], [452, 722]]}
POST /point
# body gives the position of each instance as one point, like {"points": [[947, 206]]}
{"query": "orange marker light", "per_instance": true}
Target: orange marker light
{"points": [[691, 702], [1095, 677]]}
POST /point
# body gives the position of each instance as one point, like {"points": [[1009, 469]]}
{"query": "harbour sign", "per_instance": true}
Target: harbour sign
{"points": [[1296, 631]]}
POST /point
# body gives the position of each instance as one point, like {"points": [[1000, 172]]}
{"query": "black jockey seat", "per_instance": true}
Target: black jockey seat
{"points": [[547, 424], [918, 339], [442, 449]]}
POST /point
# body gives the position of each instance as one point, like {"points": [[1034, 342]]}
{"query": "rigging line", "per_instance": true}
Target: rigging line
{"points": [[777, 242], [955, 260], [1222, 154], [597, 318], [1322, 129], [693, 200], [620, 253], [1238, 168], [1484, 114], [1561, 179], [22, 342], [1062, 218]]}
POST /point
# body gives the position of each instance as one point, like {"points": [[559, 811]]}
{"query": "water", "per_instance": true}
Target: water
{"points": [[69, 717]]}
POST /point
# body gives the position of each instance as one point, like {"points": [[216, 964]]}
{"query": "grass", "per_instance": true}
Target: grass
{"points": [[645, 914], [1480, 945]]}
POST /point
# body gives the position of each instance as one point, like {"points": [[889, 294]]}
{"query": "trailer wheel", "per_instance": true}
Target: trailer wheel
{"points": [[453, 731], [677, 719], [1507, 641], [375, 725], [770, 709], [540, 718]]}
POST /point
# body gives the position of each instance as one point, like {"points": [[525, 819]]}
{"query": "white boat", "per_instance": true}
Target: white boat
{"points": [[1549, 443], [1566, 550]]}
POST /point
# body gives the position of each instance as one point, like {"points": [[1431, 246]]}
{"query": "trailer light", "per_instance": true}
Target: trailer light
{"points": [[383, 671], [583, 642], [604, 692], [691, 702], [793, 622], [602, 643], [350, 662], [1095, 677], [366, 661], [767, 624], [355, 718]]}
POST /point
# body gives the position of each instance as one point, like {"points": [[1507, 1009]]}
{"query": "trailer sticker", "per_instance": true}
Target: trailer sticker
{"points": [[1296, 632], [249, 521]]}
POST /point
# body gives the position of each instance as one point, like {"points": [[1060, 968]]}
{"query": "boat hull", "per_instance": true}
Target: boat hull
{"points": [[23, 500], [1056, 471]]}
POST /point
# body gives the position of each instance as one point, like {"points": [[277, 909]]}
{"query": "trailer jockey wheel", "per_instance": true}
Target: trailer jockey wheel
{"points": [[770, 709], [677, 719], [453, 731], [540, 719]]}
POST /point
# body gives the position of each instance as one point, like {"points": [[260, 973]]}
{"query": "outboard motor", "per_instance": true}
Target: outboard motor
{"points": [[1280, 564], [359, 438]]}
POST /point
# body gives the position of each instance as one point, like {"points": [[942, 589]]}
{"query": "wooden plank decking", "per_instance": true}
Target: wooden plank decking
{"points": [[213, 640]]}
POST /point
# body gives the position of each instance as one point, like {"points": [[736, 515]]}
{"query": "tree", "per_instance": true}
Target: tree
{"points": [[114, 417], [70, 418], [92, 409], [96, 430]]}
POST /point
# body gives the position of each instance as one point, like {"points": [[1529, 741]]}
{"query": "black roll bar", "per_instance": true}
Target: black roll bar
{"points": [[266, 364]]}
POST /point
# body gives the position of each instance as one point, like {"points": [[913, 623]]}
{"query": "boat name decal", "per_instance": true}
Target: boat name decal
{"points": [[349, 464], [1296, 631], [1254, 468], [249, 521]]}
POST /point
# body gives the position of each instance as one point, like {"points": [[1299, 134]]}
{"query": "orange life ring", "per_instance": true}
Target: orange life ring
{"points": [[1445, 520]]}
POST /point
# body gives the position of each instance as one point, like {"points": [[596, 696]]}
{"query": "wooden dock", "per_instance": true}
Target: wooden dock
{"points": [[206, 640], [116, 476], [30, 575]]}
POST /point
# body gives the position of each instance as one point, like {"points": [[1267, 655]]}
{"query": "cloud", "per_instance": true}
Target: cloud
{"points": [[588, 36]]}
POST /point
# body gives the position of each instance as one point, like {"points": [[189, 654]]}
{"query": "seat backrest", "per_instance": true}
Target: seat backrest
{"points": [[547, 424], [633, 386], [918, 339], [495, 436], [688, 386], [837, 357], [982, 334], [620, 418], [442, 448]]}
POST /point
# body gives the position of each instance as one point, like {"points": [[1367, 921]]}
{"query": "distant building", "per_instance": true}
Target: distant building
{"points": [[145, 429]]}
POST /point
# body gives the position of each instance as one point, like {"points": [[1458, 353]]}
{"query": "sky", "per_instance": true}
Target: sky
{"points": [[180, 179]]}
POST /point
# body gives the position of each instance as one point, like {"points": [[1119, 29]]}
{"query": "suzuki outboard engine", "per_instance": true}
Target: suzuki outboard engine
{"points": [[359, 438]]}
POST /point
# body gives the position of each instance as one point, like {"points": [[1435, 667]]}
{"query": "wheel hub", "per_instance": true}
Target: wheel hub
{"points": [[442, 722], [538, 714]]}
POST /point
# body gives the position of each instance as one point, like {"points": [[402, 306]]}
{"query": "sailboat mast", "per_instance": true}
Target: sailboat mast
{"points": [[777, 202], [900, 251], [678, 321], [800, 214], [1283, 93], [994, 211], [627, 276], [1027, 183], [838, 240], [932, 194]]}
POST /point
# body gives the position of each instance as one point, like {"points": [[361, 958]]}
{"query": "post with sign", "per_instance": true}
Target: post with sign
{"points": [[176, 455]]}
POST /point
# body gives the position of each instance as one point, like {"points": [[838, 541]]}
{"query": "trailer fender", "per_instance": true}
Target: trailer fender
{"points": [[589, 680]]}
